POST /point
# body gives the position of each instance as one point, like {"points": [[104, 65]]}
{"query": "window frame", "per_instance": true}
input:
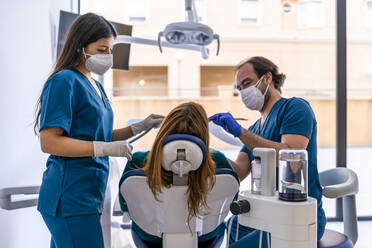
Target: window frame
{"points": [[367, 19], [300, 23], [147, 13], [259, 14]]}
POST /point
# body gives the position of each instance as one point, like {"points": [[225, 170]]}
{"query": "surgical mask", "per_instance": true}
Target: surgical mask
{"points": [[252, 97], [98, 63]]}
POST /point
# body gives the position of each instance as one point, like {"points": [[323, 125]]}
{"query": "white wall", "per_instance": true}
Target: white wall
{"points": [[25, 62]]}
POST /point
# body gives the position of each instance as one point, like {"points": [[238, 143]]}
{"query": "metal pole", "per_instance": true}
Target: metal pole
{"points": [[341, 98]]}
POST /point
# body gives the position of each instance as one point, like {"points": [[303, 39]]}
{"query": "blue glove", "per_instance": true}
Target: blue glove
{"points": [[227, 121]]}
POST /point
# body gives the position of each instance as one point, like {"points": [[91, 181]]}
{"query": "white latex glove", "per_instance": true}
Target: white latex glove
{"points": [[119, 148], [151, 121]]}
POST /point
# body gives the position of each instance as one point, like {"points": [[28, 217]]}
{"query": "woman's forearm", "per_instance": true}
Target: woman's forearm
{"points": [[67, 147], [122, 133]]}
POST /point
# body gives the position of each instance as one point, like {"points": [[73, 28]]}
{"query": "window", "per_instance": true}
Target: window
{"points": [[310, 13], [141, 81], [249, 11], [369, 13], [201, 10], [137, 11], [95, 6], [217, 81]]}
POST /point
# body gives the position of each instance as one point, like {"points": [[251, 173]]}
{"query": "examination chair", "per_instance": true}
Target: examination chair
{"points": [[167, 218], [336, 183]]}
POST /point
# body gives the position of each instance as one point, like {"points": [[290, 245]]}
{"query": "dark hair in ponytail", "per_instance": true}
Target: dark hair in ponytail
{"points": [[263, 65], [84, 30]]}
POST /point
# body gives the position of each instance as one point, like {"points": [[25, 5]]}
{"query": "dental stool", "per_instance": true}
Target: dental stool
{"points": [[167, 218], [336, 183]]}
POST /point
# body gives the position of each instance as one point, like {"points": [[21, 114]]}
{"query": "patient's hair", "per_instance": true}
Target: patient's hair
{"points": [[187, 118]]}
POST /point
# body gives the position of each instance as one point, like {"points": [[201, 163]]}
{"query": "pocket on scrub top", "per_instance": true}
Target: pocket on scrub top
{"points": [[51, 189], [102, 177], [81, 191]]}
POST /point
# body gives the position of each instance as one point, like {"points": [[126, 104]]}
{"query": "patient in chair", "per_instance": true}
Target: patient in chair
{"points": [[188, 118]]}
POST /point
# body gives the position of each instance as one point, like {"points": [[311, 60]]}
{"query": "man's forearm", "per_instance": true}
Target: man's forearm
{"points": [[242, 170], [252, 140]]}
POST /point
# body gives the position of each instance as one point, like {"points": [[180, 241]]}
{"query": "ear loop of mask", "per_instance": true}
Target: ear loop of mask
{"points": [[85, 54], [259, 82]]}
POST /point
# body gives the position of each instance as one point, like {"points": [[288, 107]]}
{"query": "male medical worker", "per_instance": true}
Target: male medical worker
{"points": [[284, 123]]}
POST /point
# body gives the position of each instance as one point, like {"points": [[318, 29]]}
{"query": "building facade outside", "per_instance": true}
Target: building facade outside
{"points": [[297, 35]]}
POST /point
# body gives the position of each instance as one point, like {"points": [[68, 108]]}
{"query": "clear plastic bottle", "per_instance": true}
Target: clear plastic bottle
{"points": [[256, 179], [293, 175]]}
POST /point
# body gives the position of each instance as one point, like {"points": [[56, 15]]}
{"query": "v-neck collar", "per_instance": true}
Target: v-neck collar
{"points": [[102, 99], [268, 116]]}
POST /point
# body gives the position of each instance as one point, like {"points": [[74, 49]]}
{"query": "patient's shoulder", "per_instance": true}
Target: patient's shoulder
{"points": [[138, 161], [220, 159], [140, 155]]}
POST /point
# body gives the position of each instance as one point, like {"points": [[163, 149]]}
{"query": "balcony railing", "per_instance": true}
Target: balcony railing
{"points": [[230, 92]]}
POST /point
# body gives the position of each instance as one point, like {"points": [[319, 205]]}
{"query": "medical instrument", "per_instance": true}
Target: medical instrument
{"points": [[220, 133], [151, 121], [291, 224], [263, 171], [293, 175], [228, 122], [192, 33], [140, 135], [189, 35]]}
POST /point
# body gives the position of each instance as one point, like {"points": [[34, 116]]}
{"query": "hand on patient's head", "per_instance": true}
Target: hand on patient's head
{"points": [[156, 120], [151, 121], [227, 121]]}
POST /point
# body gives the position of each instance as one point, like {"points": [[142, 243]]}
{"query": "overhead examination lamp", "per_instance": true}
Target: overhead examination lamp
{"points": [[189, 35], [192, 33]]}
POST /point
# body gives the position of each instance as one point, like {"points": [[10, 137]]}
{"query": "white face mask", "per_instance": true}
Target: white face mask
{"points": [[98, 63], [252, 97]]}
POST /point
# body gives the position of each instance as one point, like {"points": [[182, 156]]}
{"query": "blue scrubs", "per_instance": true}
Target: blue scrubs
{"points": [[74, 186], [291, 116]]}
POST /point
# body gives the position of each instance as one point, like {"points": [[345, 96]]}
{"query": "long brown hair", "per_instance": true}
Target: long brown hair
{"points": [[86, 29], [187, 118]]}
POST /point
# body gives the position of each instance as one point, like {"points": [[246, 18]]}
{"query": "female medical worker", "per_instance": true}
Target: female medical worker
{"points": [[75, 121]]}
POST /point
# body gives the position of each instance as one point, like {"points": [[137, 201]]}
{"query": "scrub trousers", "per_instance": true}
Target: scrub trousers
{"points": [[247, 237], [80, 231]]}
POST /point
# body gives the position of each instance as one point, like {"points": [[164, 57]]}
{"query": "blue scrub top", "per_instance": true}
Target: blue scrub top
{"points": [[295, 116], [75, 185]]}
